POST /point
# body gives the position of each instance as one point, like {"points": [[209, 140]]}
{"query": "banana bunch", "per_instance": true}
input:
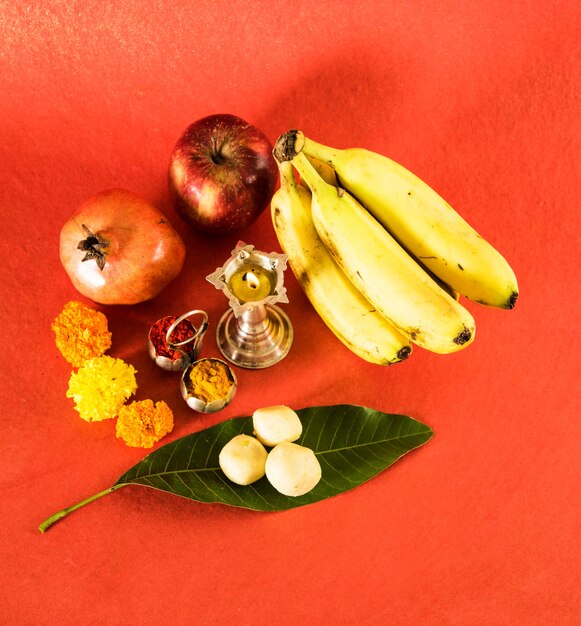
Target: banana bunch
{"points": [[380, 255], [335, 298]]}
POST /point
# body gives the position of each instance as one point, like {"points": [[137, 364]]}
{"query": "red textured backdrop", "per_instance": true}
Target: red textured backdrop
{"points": [[481, 526]]}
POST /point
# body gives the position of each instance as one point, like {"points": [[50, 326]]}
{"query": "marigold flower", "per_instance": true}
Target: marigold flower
{"points": [[101, 386], [141, 424], [81, 333]]}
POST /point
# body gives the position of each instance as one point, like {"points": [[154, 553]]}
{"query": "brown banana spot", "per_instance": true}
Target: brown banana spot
{"points": [[512, 300], [304, 278], [463, 336], [403, 353]]}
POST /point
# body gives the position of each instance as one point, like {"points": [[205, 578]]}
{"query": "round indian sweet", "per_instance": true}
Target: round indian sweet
{"points": [[292, 470], [275, 424], [243, 459]]}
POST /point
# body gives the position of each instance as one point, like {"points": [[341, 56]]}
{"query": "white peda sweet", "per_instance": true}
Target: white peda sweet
{"points": [[243, 459], [275, 424], [292, 470]]}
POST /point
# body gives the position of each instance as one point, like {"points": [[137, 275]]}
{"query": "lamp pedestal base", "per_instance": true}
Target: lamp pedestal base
{"points": [[258, 338]]}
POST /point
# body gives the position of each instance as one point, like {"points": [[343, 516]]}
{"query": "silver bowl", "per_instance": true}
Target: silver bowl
{"points": [[189, 348], [215, 405]]}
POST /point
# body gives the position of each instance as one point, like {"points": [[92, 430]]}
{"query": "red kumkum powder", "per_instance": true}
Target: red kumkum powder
{"points": [[181, 332]]}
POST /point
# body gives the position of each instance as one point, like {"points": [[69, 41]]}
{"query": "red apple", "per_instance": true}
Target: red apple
{"points": [[222, 174]]}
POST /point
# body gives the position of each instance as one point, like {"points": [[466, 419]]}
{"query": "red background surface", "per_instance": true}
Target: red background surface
{"points": [[481, 525]]}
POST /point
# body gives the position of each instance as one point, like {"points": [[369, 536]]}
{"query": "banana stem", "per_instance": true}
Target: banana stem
{"points": [[58, 516], [287, 176], [320, 152], [288, 145], [308, 172]]}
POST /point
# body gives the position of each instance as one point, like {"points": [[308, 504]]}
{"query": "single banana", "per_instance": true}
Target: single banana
{"points": [[340, 305], [327, 173], [383, 271], [423, 222]]}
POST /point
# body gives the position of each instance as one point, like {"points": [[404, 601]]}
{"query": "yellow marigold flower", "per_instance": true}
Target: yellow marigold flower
{"points": [[101, 386], [141, 424], [81, 333]]}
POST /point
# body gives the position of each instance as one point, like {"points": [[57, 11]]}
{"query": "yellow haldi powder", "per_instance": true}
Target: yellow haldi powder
{"points": [[210, 380]]}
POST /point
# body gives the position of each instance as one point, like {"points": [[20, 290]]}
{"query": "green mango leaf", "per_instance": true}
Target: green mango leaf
{"points": [[352, 443]]}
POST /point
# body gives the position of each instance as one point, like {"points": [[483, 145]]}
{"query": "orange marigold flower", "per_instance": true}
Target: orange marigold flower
{"points": [[101, 386], [81, 333], [141, 424]]}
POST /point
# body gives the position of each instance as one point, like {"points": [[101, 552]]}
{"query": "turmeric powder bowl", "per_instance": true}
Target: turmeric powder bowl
{"points": [[208, 385]]}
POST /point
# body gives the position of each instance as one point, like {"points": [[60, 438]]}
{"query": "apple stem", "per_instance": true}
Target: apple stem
{"points": [[216, 154]]}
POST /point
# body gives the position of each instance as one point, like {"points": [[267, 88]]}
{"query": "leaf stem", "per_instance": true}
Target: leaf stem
{"points": [[58, 516]]}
